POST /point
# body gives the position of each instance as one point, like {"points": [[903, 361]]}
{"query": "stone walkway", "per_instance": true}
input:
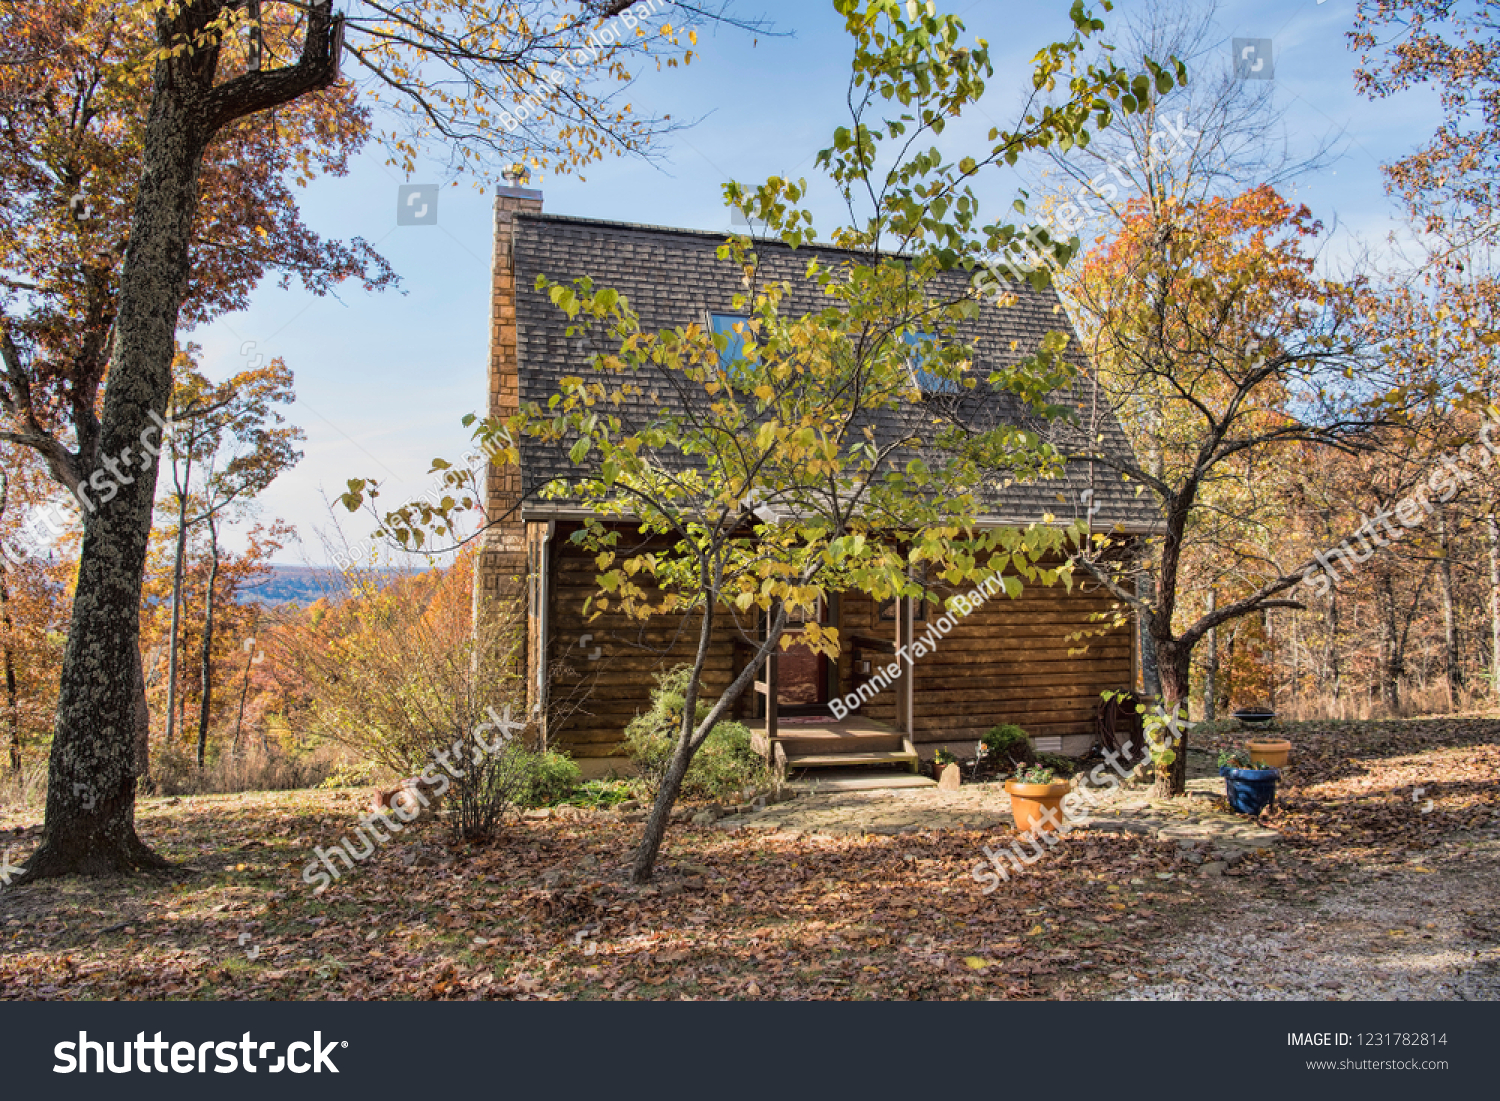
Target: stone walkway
{"points": [[1191, 821]]}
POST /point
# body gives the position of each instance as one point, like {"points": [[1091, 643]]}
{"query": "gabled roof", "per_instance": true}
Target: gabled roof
{"points": [[672, 277]]}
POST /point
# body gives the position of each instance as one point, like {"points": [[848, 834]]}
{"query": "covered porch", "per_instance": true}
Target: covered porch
{"points": [[811, 735]]}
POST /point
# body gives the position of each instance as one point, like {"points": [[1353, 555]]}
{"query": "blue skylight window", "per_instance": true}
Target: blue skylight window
{"points": [[734, 351], [927, 381]]}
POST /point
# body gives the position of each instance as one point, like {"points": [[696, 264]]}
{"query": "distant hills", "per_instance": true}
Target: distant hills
{"points": [[302, 585], [299, 585]]}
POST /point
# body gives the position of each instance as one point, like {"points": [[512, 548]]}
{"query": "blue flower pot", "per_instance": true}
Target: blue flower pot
{"points": [[1250, 790]]}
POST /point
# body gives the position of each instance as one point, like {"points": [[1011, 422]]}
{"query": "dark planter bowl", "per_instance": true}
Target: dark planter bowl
{"points": [[1250, 790], [1254, 716]]}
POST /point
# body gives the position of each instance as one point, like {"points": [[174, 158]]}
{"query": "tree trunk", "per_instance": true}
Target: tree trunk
{"points": [[90, 816], [142, 724], [12, 700], [208, 641], [1211, 671], [1175, 663], [644, 864], [1492, 533], [1332, 666], [178, 558], [1150, 677], [1390, 648], [240, 718], [89, 828], [1226, 674], [1455, 675]]}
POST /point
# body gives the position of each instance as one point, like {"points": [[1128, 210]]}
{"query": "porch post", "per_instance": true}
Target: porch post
{"points": [[904, 686], [773, 661]]}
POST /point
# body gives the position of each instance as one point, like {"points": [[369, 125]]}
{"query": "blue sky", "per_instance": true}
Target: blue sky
{"points": [[383, 379]]}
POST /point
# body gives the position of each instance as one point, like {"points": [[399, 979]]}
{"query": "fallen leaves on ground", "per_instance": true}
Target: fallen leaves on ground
{"points": [[545, 911]]}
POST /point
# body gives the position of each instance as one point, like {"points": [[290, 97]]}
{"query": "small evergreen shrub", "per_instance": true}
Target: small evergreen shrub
{"points": [[1007, 746], [723, 766], [553, 779]]}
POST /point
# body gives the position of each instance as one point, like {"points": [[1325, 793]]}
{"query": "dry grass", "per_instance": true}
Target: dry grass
{"points": [[1428, 702], [257, 769]]}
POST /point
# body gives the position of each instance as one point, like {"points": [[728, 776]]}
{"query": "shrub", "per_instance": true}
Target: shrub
{"points": [[402, 673], [1007, 745], [724, 765], [554, 777]]}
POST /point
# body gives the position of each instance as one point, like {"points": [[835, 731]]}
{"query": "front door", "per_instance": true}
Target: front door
{"points": [[801, 674]]}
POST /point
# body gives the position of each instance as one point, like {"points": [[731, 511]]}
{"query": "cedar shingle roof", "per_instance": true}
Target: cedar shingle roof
{"points": [[672, 277]]}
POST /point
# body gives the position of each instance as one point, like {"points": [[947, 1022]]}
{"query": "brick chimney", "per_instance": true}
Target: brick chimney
{"points": [[502, 564]]}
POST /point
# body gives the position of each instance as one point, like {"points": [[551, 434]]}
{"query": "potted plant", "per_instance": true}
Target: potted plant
{"points": [[1034, 792], [1268, 752], [941, 760], [1249, 789]]}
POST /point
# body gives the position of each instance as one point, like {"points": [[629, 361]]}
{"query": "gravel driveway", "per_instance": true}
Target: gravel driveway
{"points": [[1427, 928]]}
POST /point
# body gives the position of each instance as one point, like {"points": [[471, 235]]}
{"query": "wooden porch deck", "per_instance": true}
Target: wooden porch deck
{"points": [[841, 743]]}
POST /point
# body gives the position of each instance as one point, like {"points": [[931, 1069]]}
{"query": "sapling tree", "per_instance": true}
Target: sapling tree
{"points": [[232, 439]]}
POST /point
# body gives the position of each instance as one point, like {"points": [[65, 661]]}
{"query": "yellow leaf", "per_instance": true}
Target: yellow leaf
{"points": [[977, 963], [1033, 931]]}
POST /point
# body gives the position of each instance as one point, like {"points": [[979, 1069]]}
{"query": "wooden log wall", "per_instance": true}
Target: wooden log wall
{"points": [[615, 686], [1008, 661]]}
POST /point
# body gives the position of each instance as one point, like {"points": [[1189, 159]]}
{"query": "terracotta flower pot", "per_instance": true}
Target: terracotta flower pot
{"points": [[1268, 752], [1029, 803]]}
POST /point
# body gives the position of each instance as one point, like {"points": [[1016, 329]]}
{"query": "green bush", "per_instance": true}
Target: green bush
{"points": [[723, 766], [553, 779], [1007, 746]]}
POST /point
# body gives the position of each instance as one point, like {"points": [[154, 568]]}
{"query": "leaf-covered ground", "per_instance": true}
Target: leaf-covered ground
{"points": [[545, 912]]}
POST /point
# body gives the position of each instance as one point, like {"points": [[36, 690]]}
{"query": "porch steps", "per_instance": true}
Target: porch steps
{"points": [[806, 742]]}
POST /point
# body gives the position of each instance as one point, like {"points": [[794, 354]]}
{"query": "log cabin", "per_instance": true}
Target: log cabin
{"points": [[1010, 660]]}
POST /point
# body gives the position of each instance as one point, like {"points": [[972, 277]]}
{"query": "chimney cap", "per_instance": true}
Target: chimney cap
{"points": [[515, 175]]}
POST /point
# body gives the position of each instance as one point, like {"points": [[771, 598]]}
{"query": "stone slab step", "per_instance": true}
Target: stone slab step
{"points": [[856, 780], [842, 760]]}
